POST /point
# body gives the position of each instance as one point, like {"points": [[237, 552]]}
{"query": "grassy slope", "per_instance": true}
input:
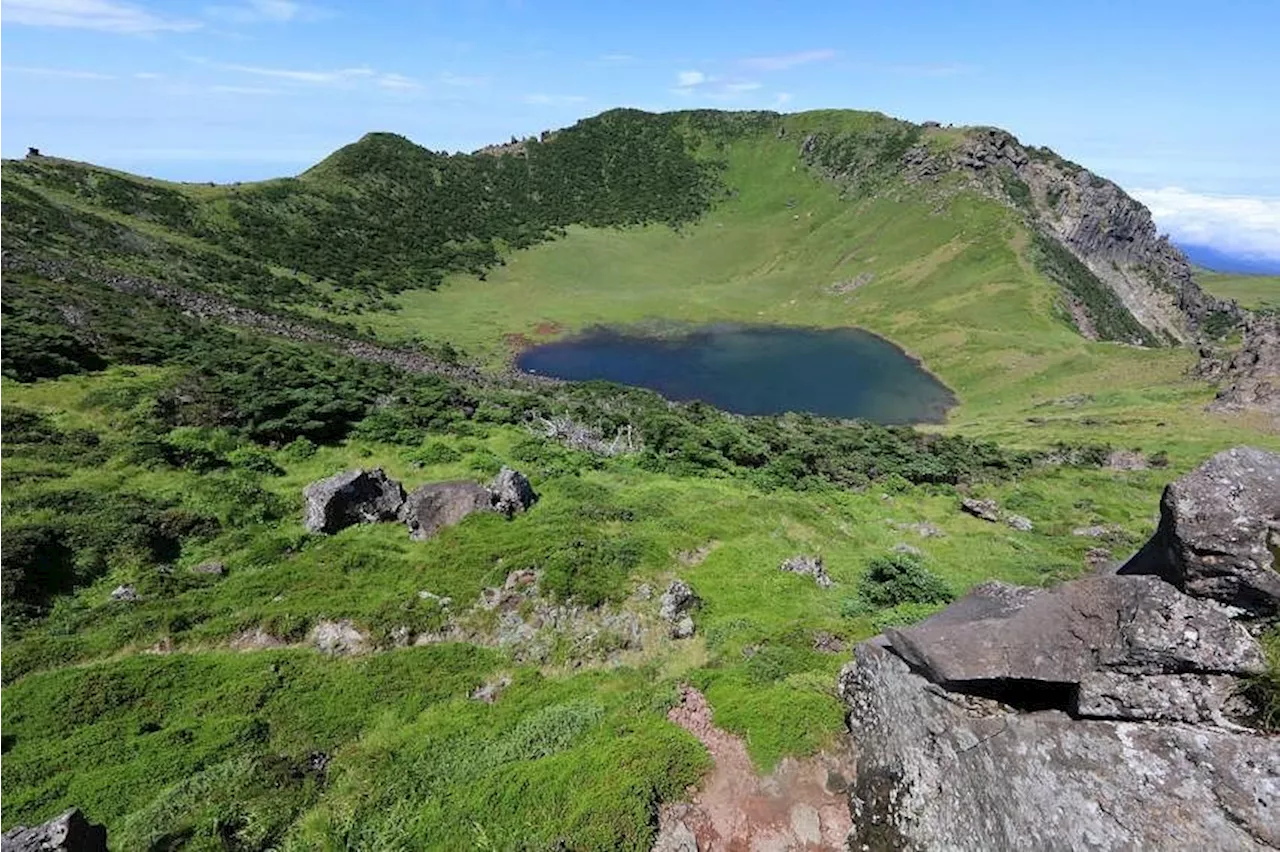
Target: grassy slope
{"points": [[950, 287], [1251, 291]]}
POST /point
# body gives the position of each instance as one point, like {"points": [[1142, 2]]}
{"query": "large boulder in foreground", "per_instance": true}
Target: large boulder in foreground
{"points": [[944, 770], [70, 832], [442, 504], [1013, 637], [351, 497], [1219, 532]]}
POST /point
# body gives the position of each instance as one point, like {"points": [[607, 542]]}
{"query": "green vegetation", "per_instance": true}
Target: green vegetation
{"points": [[1256, 292], [141, 443]]}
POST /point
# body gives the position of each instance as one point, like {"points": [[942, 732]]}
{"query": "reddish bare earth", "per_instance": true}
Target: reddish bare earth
{"points": [[801, 805]]}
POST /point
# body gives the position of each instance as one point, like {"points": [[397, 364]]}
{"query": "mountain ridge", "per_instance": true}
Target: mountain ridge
{"points": [[384, 214]]}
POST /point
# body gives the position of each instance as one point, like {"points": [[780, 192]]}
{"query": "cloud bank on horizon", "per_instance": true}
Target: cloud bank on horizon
{"points": [[1245, 226]]}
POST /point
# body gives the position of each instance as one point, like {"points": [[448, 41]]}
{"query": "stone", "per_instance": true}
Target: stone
{"points": [[683, 628], [946, 770], [351, 497], [987, 510], [512, 492], [1219, 532], [69, 832], [127, 593], [1018, 522], [431, 507], [1251, 376], [808, 565], [215, 568], [338, 638], [1098, 558], [1021, 636], [488, 692], [678, 600], [827, 643], [1174, 697], [907, 549]]}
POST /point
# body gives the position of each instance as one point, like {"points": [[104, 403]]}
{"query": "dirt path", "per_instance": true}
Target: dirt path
{"points": [[801, 805]]}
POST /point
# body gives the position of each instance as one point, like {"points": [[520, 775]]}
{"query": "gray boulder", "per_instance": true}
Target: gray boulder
{"points": [[677, 601], [1046, 640], [987, 510], [441, 504], [942, 770], [338, 638], [808, 565], [215, 568], [351, 497], [70, 832], [1219, 532], [126, 593], [511, 492]]}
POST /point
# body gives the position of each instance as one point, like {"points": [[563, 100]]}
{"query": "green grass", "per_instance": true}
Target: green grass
{"points": [[188, 747], [1251, 291]]}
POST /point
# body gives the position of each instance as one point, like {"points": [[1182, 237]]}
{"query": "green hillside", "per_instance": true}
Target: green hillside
{"points": [[1256, 292], [146, 435]]}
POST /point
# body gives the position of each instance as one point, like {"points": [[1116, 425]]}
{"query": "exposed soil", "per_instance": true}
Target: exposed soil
{"points": [[802, 805], [547, 329]]}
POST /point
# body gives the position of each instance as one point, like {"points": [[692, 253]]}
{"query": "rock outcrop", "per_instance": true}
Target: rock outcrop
{"points": [[351, 497], [511, 492], [1249, 380], [361, 497], [436, 505], [70, 832], [1101, 714], [1219, 532], [810, 566], [676, 606], [946, 770]]}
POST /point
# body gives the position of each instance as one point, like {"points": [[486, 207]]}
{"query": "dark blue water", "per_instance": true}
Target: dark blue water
{"points": [[757, 370]]}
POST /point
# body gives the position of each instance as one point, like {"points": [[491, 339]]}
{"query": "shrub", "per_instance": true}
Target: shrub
{"points": [[901, 578]]}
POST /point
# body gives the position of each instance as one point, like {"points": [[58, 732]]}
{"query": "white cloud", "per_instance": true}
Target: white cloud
{"points": [[243, 90], [541, 99], [784, 61], [340, 75], [148, 75], [398, 81], [689, 79], [57, 73], [1232, 223], [781, 99], [266, 11], [617, 58], [744, 86], [102, 15]]}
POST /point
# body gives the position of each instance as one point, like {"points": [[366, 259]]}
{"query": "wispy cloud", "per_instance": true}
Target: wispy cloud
{"points": [[781, 99], [103, 15], [616, 58], [1233, 223], [339, 75], [57, 73], [542, 99], [783, 61], [243, 90], [689, 83], [265, 11], [148, 75], [689, 79], [398, 81]]}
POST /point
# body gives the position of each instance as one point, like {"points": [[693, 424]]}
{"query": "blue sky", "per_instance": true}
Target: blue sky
{"points": [[1175, 100]]}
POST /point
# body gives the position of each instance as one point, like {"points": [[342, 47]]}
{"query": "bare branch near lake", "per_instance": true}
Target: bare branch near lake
{"points": [[589, 439]]}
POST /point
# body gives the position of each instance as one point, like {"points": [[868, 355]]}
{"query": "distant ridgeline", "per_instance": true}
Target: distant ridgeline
{"points": [[382, 214]]}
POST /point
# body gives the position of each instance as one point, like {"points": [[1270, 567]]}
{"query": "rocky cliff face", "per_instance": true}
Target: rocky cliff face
{"points": [[1109, 232], [1122, 280]]}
